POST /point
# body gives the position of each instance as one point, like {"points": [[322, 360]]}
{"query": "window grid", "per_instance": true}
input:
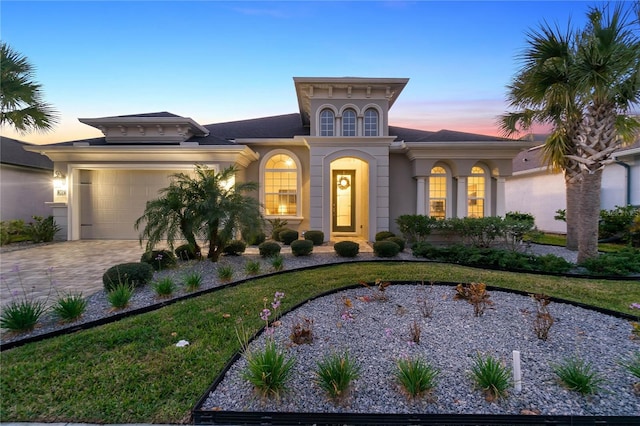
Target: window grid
{"points": [[371, 122], [476, 193], [349, 123], [327, 121], [438, 193], [280, 186]]}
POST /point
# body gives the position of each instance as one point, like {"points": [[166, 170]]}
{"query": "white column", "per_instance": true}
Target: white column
{"points": [[500, 197], [421, 196], [462, 197]]}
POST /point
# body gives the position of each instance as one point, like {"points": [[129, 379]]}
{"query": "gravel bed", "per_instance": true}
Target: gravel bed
{"points": [[378, 335]]}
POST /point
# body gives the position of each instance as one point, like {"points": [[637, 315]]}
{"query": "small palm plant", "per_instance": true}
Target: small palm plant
{"points": [[578, 375], [491, 376], [335, 373], [416, 376]]}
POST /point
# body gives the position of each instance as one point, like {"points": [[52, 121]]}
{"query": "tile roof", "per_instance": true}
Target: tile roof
{"points": [[12, 152]]}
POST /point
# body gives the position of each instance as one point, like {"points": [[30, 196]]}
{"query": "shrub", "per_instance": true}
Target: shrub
{"points": [[275, 233], [164, 287], [159, 259], [22, 314], [385, 248], [415, 227], [268, 370], [623, 262], [416, 376], [12, 231], [578, 376], [617, 223], [186, 252], [42, 230], [287, 236], [256, 239], [383, 235], [269, 248], [120, 295], [316, 236], [234, 248], [399, 241], [70, 307], [301, 247], [346, 248], [491, 376], [277, 262], [135, 273], [335, 373], [193, 281], [276, 225]]}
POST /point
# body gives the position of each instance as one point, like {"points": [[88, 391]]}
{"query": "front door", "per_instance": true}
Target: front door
{"points": [[344, 201]]}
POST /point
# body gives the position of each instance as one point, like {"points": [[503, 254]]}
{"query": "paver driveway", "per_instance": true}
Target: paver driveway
{"points": [[70, 266]]}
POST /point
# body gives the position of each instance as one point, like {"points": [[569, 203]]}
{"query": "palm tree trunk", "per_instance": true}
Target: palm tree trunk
{"points": [[589, 213], [571, 214]]}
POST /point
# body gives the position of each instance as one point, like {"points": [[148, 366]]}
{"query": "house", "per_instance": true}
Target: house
{"points": [[534, 188], [26, 178], [335, 166]]}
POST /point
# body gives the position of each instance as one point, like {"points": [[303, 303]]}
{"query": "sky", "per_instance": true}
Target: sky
{"points": [[218, 61]]}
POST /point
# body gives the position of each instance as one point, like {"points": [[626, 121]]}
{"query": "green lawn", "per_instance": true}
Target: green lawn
{"points": [[131, 371]]}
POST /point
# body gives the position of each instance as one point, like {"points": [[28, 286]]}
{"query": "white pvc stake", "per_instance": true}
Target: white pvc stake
{"points": [[517, 374]]}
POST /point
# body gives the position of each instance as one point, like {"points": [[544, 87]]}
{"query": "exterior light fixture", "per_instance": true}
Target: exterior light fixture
{"points": [[60, 183]]}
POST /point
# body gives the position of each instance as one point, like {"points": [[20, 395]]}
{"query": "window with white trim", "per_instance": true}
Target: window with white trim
{"points": [[438, 193], [349, 123], [281, 186], [327, 122], [371, 122], [476, 187]]}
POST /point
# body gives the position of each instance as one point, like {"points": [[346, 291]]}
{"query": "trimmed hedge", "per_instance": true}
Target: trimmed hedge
{"points": [[399, 241], [234, 248], [316, 236], [135, 273], [347, 248], [275, 233], [301, 247], [385, 248], [287, 236], [383, 235], [269, 249], [257, 239], [159, 259]]}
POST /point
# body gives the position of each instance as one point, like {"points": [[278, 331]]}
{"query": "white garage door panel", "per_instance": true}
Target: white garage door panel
{"points": [[115, 199]]}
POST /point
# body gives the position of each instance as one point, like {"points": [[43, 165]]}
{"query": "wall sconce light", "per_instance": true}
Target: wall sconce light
{"points": [[60, 183]]}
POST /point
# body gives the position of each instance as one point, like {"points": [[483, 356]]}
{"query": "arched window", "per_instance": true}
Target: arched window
{"points": [[476, 192], [281, 186], [349, 123], [438, 193], [327, 120], [371, 122]]}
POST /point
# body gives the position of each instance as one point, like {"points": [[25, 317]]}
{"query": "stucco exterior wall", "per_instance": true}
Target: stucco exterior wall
{"points": [[24, 193], [402, 189]]}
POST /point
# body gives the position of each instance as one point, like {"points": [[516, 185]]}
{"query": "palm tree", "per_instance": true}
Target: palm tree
{"points": [[542, 92], [169, 217], [206, 204], [221, 208], [583, 84], [21, 103], [607, 75]]}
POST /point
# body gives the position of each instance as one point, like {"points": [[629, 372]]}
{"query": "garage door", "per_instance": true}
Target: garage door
{"points": [[112, 200]]}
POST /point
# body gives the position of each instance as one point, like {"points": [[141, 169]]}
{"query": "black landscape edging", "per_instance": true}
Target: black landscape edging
{"points": [[214, 417], [150, 308], [339, 419]]}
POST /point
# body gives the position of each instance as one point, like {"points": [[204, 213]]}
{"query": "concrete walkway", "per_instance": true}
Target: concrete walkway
{"points": [[43, 271]]}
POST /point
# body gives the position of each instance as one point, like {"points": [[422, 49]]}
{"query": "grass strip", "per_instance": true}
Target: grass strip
{"points": [[132, 372]]}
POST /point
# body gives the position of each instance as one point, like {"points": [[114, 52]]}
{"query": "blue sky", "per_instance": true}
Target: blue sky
{"points": [[217, 61]]}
